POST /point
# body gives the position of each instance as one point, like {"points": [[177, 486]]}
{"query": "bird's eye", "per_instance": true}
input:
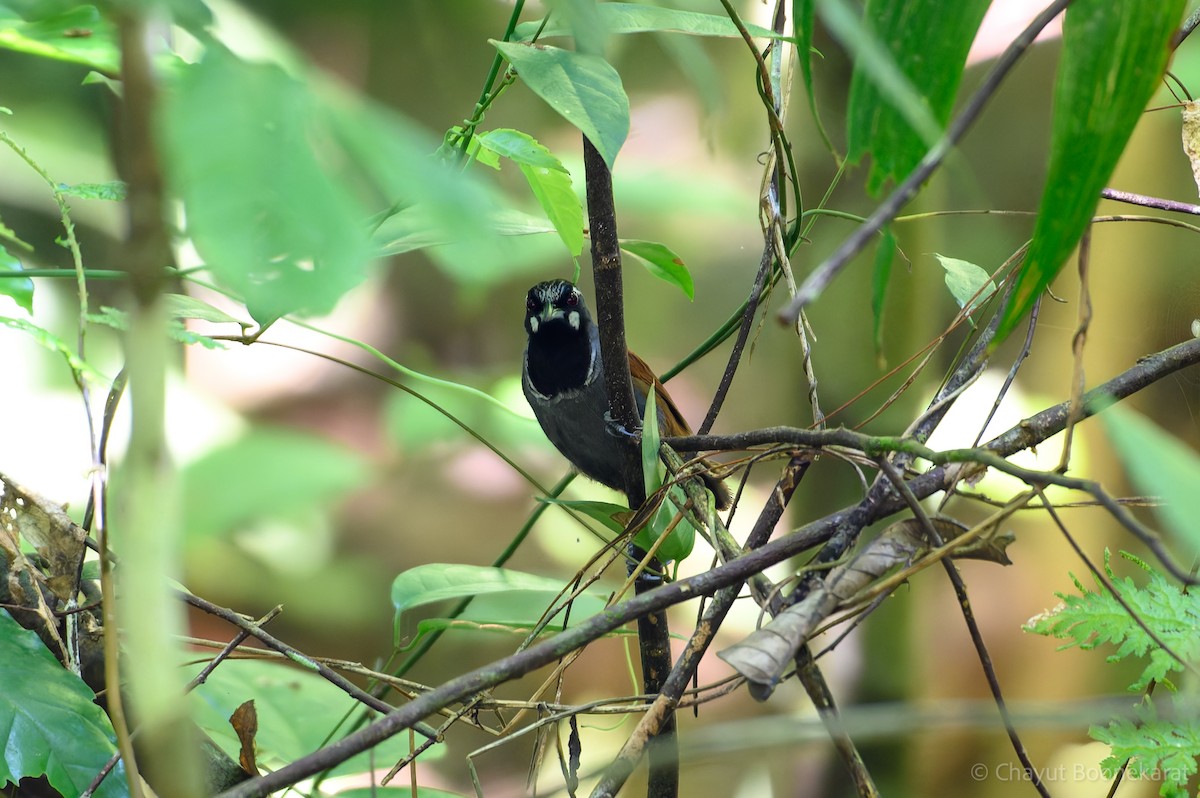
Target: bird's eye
{"points": [[531, 304], [572, 299]]}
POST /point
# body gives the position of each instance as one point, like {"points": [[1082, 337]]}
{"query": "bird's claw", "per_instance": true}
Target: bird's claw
{"points": [[616, 429]]}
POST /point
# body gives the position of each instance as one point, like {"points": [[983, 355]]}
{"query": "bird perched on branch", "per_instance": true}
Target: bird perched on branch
{"points": [[563, 379]]}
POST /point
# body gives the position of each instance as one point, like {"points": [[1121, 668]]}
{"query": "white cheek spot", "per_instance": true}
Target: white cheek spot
{"points": [[533, 324], [573, 319]]}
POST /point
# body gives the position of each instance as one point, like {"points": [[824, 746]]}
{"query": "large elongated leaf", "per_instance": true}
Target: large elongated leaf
{"points": [[584, 89], [909, 57], [1114, 53], [50, 726], [524, 597]]}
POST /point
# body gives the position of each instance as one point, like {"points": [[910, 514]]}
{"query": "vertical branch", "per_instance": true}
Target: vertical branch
{"points": [[147, 526], [653, 633]]}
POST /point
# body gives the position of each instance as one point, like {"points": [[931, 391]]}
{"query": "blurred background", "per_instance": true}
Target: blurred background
{"points": [[399, 486]]}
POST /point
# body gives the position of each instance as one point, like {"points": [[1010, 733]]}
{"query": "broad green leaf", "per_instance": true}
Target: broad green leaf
{"points": [[908, 60], [112, 190], [1114, 53], [297, 710], [426, 584], [967, 282], [511, 612], [265, 212], [20, 289], [885, 253], [1159, 464], [51, 724], [661, 262], [434, 582], [584, 89], [267, 473], [637, 18], [548, 179], [80, 35], [52, 342]]}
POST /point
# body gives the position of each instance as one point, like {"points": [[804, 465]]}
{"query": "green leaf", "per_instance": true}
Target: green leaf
{"points": [[651, 478], [52, 726], [548, 179], [968, 283], [20, 289], [52, 342], [613, 516], [426, 584], [1114, 53], [1159, 464], [635, 18], [268, 217], [296, 710], [267, 473], [112, 190], [80, 35], [908, 61], [661, 262], [584, 89], [434, 582], [682, 538]]}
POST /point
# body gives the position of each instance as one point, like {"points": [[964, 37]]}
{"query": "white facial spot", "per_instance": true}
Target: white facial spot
{"points": [[573, 319], [533, 324]]}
